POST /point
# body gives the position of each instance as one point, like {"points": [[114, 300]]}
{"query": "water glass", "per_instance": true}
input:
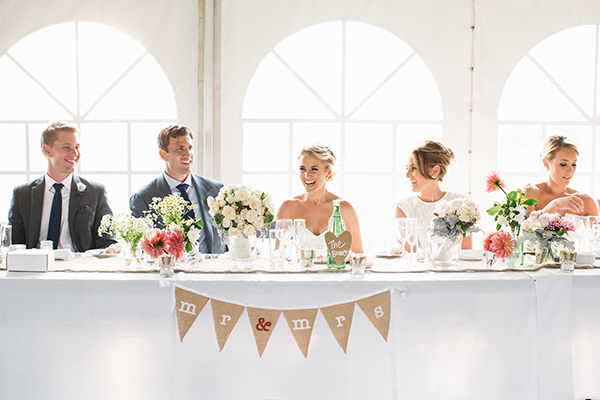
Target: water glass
{"points": [[423, 246], [285, 229], [275, 250], [405, 230], [358, 263], [307, 256]]}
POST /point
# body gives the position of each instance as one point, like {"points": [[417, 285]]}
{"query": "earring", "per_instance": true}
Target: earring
{"points": [[432, 176]]}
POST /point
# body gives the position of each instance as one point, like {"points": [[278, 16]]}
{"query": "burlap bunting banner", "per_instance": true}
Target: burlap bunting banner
{"points": [[188, 305], [301, 323], [225, 316], [377, 308], [339, 319], [262, 321]]}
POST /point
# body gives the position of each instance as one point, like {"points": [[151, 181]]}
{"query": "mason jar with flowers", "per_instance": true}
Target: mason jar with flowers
{"points": [[452, 221], [547, 232], [239, 212]]}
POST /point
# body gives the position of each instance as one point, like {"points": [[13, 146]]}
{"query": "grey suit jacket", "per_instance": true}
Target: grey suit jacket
{"points": [[86, 210], [139, 202]]}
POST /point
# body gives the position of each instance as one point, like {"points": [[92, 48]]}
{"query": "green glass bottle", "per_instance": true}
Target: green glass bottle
{"points": [[337, 227]]}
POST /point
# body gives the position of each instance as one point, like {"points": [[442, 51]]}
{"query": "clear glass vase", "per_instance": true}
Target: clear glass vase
{"points": [[133, 254], [517, 256], [166, 265], [545, 254], [444, 251]]}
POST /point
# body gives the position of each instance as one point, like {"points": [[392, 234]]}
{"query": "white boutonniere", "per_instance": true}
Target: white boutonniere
{"points": [[81, 187]]}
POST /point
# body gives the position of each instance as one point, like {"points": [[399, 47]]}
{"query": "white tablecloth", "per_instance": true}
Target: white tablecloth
{"points": [[481, 335]]}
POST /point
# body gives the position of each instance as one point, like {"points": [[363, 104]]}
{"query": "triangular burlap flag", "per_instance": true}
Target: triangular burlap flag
{"points": [[377, 308], [301, 323], [188, 305], [263, 322], [339, 319], [225, 316]]}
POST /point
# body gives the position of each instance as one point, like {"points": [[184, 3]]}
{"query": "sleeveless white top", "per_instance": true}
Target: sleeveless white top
{"points": [[414, 207], [315, 241]]}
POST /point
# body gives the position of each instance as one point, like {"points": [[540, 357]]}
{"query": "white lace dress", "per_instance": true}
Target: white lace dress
{"points": [[414, 207], [316, 242]]}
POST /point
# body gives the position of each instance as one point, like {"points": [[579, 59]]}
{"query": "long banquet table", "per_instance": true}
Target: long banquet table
{"points": [[530, 334]]}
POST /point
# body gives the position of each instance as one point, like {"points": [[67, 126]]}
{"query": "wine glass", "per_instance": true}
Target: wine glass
{"points": [[5, 240], [284, 228], [299, 233], [594, 234], [581, 225], [405, 230]]}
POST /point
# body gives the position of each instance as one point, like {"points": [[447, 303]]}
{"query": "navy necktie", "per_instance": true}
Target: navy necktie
{"points": [[55, 216], [183, 190]]}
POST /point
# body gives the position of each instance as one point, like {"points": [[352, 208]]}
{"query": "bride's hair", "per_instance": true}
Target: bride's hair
{"points": [[429, 154], [553, 144], [323, 153]]}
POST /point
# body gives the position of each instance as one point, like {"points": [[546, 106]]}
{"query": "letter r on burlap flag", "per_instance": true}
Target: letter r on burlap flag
{"points": [[339, 319], [225, 317]]}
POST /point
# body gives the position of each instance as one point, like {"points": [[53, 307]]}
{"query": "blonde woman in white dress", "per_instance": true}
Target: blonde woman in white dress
{"points": [[315, 205], [425, 169]]}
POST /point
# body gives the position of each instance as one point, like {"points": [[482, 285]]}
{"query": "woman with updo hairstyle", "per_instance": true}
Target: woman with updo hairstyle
{"points": [[559, 157], [426, 167], [315, 205]]}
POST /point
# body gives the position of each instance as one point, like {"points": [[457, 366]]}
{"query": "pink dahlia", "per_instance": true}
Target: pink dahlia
{"points": [[155, 244], [500, 243], [494, 182], [175, 243]]}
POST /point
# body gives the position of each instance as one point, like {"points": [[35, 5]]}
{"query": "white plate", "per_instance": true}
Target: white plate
{"points": [[101, 253], [471, 255], [385, 254]]}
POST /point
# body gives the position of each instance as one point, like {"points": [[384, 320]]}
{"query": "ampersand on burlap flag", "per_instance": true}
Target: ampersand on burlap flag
{"points": [[262, 321]]}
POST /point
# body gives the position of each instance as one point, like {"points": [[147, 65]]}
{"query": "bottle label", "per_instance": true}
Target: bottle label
{"points": [[338, 246]]}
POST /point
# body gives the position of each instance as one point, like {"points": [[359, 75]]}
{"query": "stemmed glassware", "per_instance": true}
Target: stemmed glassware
{"points": [[581, 225], [406, 232], [299, 233], [5, 240], [285, 233]]}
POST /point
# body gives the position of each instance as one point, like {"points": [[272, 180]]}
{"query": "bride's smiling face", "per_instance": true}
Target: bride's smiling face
{"points": [[416, 179], [562, 167], [313, 173]]}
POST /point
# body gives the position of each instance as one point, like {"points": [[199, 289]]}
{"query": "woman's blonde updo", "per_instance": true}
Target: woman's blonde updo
{"points": [[428, 155], [323, 153], [553, 144]]}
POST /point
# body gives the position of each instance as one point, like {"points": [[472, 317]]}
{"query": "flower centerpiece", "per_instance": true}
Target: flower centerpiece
{"points": [[128, 230], [452, 221], [239, 212], [172, 210], [547, 232], [501, 244], [510, 214]]}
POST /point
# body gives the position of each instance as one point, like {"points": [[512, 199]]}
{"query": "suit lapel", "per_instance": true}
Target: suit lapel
{"points": [[74, 199], [37, 205], [201, 193]]}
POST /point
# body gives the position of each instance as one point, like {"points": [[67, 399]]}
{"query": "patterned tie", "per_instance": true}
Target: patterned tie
{"points": [[55, 215], [183, 190]]}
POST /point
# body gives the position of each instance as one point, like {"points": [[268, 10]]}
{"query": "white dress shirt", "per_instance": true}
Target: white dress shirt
{"points": [[65, 235]]}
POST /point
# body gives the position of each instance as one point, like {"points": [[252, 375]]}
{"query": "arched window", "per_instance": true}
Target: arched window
{"points": [[553, 90], [355, 87], [98, 78]]}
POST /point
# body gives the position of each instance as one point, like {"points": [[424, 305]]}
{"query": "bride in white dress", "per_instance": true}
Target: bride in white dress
{"points": [[315, 205], [425, 169]]}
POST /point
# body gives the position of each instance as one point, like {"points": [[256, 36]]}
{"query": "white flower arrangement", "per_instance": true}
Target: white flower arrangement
{"points": [[239, 210], [81, 187], [455, 218], [126, 227]]}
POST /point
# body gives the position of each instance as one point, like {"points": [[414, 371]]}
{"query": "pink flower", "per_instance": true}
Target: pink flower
{"points": [[494, 182], [155, 244], [500, 243], [175, 243]]}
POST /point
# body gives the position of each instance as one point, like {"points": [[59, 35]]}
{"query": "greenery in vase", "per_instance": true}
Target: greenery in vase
{"points": [[455, 218], [172, 210]]}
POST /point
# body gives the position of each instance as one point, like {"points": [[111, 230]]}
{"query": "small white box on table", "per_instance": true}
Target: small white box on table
{"points": [[32, 260]]}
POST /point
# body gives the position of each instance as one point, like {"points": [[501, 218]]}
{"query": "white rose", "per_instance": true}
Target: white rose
{"points": [[464, 215], [210, 201], [234, 231], [259, 223], [268, 204], [193, 234], [214, 209], [242, 194], [254, 202], [456, 204], [226, 223], [502, 220], [442, 209], [249, 230], [251, 216], [229, 212]]}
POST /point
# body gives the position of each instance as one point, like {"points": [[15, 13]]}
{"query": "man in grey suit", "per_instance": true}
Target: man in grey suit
{"points": [[175, 148], [60, 205]]}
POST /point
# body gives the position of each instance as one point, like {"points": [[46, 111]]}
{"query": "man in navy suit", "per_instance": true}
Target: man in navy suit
{"points": [[175, 147], [60, 205]]}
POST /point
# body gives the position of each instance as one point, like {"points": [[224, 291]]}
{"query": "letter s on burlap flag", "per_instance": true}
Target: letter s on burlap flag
{"points": [[377, 308]]}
